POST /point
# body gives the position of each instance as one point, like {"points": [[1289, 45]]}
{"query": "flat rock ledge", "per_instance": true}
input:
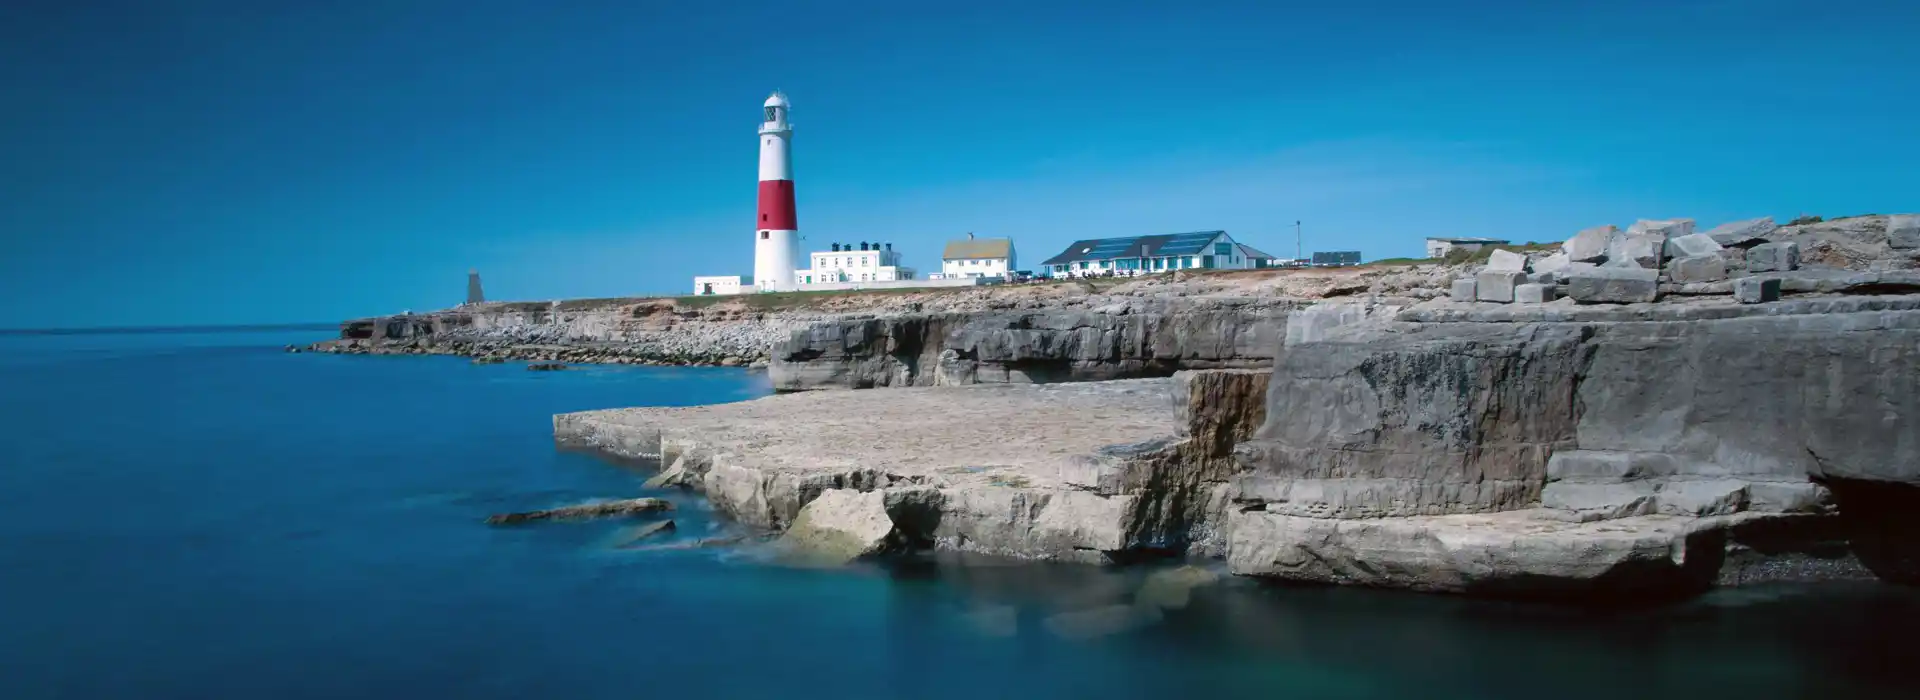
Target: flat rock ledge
{"points": [[1026, 471]]}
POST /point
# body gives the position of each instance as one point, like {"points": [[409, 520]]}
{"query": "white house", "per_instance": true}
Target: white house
{"points": [[722, 284], [978, 257], [871, 262], [1213, 250], [1439, 247]]}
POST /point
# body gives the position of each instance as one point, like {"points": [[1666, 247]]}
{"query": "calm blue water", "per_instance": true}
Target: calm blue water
{"points": [[203, 516]]}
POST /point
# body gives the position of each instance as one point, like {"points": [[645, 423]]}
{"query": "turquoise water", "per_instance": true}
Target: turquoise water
{"points": [[199, 515]]}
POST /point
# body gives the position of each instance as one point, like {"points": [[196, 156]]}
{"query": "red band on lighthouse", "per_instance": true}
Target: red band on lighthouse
{"points": [[776, 206]]}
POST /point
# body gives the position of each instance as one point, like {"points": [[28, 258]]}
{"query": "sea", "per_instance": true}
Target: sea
{"points": [[198, 514]]}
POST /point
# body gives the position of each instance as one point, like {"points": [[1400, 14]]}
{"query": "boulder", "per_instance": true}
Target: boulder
{"points": [[1903, 231], [1742, 234], [1773, 257], [1591, 244], [1613, 285], [1756, 290], [1533, 293], [1692, 244], [838, 527], [1497, 286], [1698, 268], [1506, 261], [1464, 289]]}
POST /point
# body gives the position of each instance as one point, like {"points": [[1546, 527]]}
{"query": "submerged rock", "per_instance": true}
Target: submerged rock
{"points": [[629, 538], [546, 366], [608, 509]]}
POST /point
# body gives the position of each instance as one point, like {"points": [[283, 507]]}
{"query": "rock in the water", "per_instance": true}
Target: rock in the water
{"points": [[1497, 286], [1774, 257], [1755, 290], [1698, 268], [608, 509], [1903, 231], [1464, 289], [1533, 293], [1742, 234], [1506, 261], [1590, 245], [1692, 244], [546, 366], [1173, 588], [840, 526], [1613, 285], [675, 475], [1100, 622], [642, 532]]}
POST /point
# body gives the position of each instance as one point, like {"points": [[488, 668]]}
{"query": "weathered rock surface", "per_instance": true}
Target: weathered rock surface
{"points": [[1506, 261], [1755, 290], [1698, 268], [631, 538]]}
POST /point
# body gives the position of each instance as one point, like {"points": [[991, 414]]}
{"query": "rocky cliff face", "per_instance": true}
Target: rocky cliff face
{"points": [[1141, 338], [1585, 448]]}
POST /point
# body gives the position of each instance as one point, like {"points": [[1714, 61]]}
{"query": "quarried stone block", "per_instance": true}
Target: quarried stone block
{"points": [[1506, 261], [1497, 286], [1698, 268], [1613, 285], [1903, 231], [1590, 245], [1756, 290], [1742, 234], [1692, 244], [1533, 293], [1464, 289], [1773, 257]]}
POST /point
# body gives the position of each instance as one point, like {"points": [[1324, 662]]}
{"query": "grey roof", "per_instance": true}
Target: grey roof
{"points": [[1467, 240], [978, 249], [1135, 247], [1247, 251]]}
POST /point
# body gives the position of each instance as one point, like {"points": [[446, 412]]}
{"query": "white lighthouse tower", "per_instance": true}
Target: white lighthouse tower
{"points": [[777, 233]]}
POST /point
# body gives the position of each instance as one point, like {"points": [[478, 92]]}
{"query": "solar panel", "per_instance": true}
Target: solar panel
{"points": [[1187, 243]]}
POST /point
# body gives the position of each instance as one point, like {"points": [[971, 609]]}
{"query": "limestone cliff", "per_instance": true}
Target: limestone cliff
{"points": [[1141, 338], [1476, 450]]}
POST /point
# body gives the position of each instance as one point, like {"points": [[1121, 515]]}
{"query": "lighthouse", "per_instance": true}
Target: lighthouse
{"points": [[777, 233]]}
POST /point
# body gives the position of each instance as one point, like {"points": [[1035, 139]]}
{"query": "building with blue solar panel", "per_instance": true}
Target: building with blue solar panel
{"points": [[1137, 255]]}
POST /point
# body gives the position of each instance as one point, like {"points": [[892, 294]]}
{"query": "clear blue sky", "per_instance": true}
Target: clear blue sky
{"points": [[176, 162]]}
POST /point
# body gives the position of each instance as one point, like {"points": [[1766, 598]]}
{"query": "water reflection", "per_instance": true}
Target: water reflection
{"points": [[1197, 629]]}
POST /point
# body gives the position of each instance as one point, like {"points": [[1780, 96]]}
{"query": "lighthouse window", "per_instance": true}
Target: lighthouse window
{"points": [[770, 112], [763, 234]]}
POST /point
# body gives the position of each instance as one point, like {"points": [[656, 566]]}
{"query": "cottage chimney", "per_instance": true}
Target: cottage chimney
{"points": [[863, 245], [969, 235], [836, 247], [889, 247]]}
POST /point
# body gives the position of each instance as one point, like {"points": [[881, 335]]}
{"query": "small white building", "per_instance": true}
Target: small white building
{"points": [[978, 257], [722, 284], [1439, 247], [843, 264]]}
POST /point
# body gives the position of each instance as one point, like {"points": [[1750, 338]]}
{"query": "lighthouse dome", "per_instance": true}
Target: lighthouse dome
{"points": [[777, 100]]}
